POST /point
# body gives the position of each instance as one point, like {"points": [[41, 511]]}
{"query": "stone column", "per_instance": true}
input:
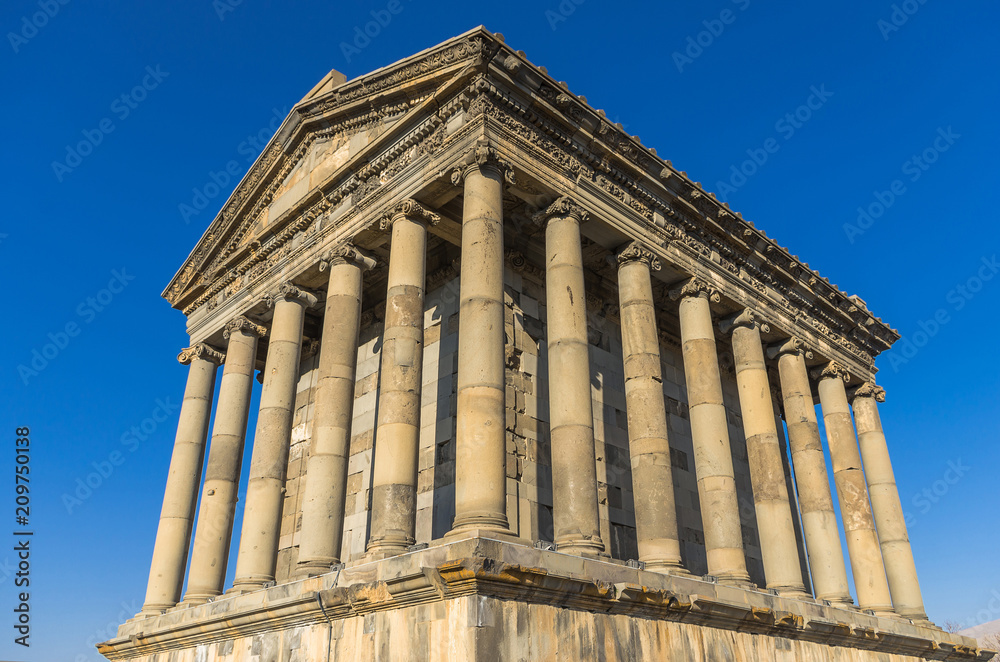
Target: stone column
{"points": [[481, 444], [720, 511], [900, 569], [210, 553], [575, 518], [862, 539], [652, 473], [778, 546], [255, 562], [793, 502], [397, 435], [173, 536], [324, 495], [819, 521]]}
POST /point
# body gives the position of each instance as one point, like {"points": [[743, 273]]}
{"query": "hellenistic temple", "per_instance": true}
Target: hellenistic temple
{"points": [[527, 392]]}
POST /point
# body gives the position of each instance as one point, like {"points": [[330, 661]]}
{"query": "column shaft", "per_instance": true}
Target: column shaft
{"points": [[324, 496], [862, 539], [481, 446], [397, 436], [652, 473], [258, 553], [819, 521], [779, 547], [180, 499], [900, 569], [210, 554], [571, 416], [713, 458]]}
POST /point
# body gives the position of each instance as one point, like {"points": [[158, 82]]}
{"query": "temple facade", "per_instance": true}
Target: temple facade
{"points": [[527, 392]]}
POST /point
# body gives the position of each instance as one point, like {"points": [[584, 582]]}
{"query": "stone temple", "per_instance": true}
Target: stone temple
{"points": [[528, 393]]}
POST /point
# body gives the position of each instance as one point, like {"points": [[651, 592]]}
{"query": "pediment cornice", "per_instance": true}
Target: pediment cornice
{"points": [[478, 74]]}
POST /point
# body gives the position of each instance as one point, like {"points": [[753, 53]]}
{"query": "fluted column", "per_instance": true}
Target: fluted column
{"points": [[897, 555], [575, 517], [258, 553], [819, 521], [210, 554], [397, 435], [324, 496], [173, 535], [652, 473], [481, 445], [859, 526], [720, 513], [778, 546]]}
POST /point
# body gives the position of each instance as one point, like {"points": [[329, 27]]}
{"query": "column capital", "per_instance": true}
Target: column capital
{"points": [[832, 370], [410, 209], [867, 390], [636, 252], [747, 318], [695, 287], [201, 351], [347, 253], [243, 324], [793, 346], [561, 208], [289, 291], [481, 157]]}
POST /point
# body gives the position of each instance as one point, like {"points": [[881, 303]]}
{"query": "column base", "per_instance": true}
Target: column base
{"points": [[666, 567], [884, 611], [154, 610], [582, 547], [249, 584], [315, 567], [740, 579], [195, 599], [793, 592], [480, 522], [843, 601]]}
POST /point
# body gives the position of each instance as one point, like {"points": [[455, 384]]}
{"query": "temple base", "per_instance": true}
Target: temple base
{"points": [[486, 599]]}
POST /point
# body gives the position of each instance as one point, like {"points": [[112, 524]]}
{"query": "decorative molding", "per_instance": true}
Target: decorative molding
{"points": [[868, 390], [347, 253], [289, 291], [244, 325], [203, 352], [520, 264], [695, 287], [636, 252], [410, 209]]}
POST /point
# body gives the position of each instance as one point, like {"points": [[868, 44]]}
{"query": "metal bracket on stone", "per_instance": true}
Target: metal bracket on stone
{"points": [[635, 563], [546, 545], [417, 547]]}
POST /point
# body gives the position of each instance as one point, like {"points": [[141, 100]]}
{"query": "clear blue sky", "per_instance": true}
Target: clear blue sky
{"points": [[212, 82]]}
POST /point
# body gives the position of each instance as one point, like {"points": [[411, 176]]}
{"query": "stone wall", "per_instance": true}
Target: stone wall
{"points": [[529, 479]]}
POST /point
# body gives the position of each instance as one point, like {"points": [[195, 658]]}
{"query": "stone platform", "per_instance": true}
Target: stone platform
{"points": [[478, 598]]}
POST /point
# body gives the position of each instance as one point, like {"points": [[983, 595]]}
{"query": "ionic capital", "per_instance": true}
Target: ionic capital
{"points": [[747, 319], [561, 208], [792, 346], [484, 156], [867, 390], [347, 253], [289, 291], [832, 370], [244, 325], [636, 252], [695, 287], [200, 351], [409, 209]]}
